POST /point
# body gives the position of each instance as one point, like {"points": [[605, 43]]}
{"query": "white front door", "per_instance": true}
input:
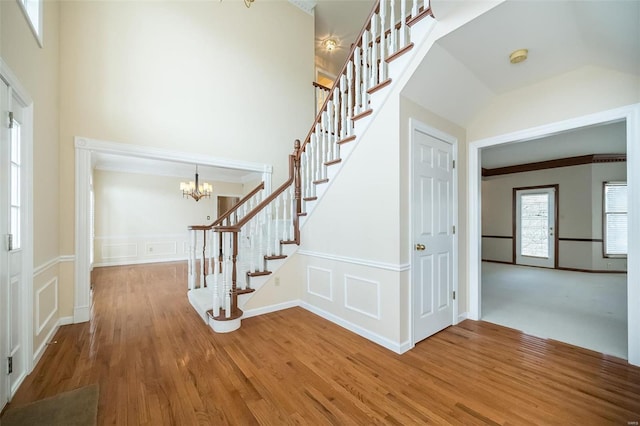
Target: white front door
{"points": [[13, 221], [535, 223], [432, 224]]}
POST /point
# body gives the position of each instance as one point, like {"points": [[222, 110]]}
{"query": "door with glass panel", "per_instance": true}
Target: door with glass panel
{"points": [[535, 222]]}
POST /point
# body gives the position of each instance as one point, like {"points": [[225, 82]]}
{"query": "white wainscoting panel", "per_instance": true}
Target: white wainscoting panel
{"points": [[319, 282], [166, 248], [47, 301], [118, 250], [362, 295]]}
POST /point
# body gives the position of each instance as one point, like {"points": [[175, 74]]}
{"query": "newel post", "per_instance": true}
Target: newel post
{"points": [[297, 182]]}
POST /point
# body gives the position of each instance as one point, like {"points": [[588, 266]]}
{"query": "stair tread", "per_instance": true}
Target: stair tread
{"points": [[319, 181], [379, 86], [302, 214], [399, 53], [245, 290], [347, 139], [310, 198], [362, 114], [332, 162], [237, 314], [258, 274], [288, 242], [276, 257]]}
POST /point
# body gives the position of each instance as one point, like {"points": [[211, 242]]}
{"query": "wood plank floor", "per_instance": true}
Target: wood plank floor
{"points": [[157, 363]]}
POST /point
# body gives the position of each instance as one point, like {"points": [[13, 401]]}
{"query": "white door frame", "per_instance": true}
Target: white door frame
{"points": [[630, 114], [26, 102], [85, 147], [415, 124]]}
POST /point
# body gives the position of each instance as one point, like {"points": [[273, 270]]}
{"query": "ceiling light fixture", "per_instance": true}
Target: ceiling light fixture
{"points": [[330, 44], [196, 190], [248, 3], [518, 56]]}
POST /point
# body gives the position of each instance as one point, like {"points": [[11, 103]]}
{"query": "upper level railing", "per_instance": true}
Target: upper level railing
{"points": [[245, 245]]}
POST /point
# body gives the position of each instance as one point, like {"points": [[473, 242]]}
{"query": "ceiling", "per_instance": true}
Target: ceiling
{"points": [[468, 68], [341, 20]]}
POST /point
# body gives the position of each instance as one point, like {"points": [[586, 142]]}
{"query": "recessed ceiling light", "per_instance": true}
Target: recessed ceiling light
{"points": [[330, 44], [518, 56]]}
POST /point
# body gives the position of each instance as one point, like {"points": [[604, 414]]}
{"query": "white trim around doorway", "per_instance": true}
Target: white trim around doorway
{"points": [[84, 148], [630, 114]]}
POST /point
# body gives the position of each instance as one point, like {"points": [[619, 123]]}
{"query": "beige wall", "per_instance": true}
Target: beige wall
{"points": [[142, 218], [37, 69], [586, 90], [579, 208], [192, 76]]}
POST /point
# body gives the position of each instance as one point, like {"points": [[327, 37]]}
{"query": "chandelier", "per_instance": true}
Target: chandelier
{"points": [[196, 190]]}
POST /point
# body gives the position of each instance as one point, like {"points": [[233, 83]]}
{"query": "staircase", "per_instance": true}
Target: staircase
{"points": [[248, 243]]}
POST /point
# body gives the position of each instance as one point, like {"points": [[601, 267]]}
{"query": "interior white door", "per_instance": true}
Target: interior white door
{"points": [[4, 254], [13, 190], [432, 224], [535, 221]]}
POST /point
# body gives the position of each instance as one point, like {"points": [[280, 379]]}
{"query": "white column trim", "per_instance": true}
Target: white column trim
{"points": [[81, 305]]}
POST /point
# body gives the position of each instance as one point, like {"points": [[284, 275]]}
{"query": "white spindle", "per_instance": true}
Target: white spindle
{"points": [[343, 112], [285, 215], [203, 261], [226, 273], [392, 27], [269, 234], [383, 40], [403, 25], [414, 10], [350, 88], [216, 275], [337, 106], [358, 81], [210, 249], [292, 205], [374, 51], [252, 243], [365, 70]]}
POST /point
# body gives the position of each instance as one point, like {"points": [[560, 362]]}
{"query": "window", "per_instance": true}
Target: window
{"points": [[32, 10], [14, 186], [615, 219]]}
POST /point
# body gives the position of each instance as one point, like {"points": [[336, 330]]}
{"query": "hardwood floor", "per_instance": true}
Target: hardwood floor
{"points": [[157, 363]]}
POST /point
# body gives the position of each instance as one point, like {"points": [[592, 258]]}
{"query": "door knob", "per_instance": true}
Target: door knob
{"points": [[420, 247]]}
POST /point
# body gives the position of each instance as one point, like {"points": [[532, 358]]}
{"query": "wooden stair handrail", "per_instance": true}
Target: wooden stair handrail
{"points": [[229, 212], [292, 177], [376, 8]]}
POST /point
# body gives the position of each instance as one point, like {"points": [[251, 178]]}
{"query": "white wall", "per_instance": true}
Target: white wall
{"points": [[194, 76], [579, 205], [142, 218]]}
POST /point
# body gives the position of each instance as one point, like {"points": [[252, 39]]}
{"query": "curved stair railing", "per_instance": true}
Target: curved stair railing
{"points": [[242, 248]]}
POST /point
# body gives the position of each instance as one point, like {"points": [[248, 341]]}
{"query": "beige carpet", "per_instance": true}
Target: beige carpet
{"points": [[78, 407]]}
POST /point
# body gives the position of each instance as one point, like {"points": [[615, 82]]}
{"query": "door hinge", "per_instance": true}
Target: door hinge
{"points": [[454, 295], [10, 120], [10, 365], [9, 242], [454, 164], [454, 229]]}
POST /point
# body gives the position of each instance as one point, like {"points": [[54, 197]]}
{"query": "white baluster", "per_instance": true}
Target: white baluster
{"points": [[403, 24], [216, 274], [337, 105], [392, 26], [261, 223], [269, 235], [349, 98], [383, 40], [285, 216], [414, 12], [252, 243], [210, 248], [343, 112], [293, 212], [365, 70], [203, 261], [226, 273], [276, 206], [374, 51], [358, 82], [191, 260]]}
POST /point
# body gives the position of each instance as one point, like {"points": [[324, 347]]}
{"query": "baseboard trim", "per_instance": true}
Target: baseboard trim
{"points": [[269, 309], [463, 316], [81, 314], [398, 348], [138, 262], [38, 354]]}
